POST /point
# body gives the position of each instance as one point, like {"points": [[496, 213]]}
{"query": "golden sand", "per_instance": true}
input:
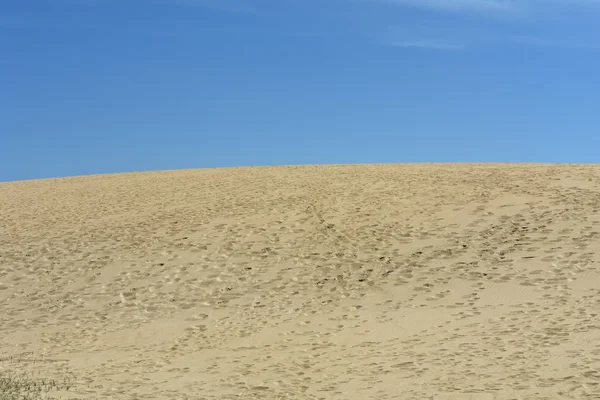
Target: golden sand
{"points": [[439, 281]]}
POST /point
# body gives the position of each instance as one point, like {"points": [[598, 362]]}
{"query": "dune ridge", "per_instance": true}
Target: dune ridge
{"points": [[389, 281]]}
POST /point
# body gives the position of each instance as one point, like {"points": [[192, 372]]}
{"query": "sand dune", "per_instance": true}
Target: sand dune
{"points": [[317, 282]]}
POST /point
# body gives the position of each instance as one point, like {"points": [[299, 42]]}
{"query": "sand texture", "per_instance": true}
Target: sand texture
{"points": [[457, 281]]}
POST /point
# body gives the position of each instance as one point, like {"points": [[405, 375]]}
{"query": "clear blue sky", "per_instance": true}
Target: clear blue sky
{"points": [[93, 86]]}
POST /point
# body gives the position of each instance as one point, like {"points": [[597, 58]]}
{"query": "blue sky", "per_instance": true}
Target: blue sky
{"points": [[93, 86]]}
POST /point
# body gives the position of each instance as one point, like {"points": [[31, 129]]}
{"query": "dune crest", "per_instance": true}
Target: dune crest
{"points": [[416, 281]]}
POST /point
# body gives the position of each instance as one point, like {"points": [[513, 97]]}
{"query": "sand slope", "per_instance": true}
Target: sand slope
{"points": [[316, 282]]}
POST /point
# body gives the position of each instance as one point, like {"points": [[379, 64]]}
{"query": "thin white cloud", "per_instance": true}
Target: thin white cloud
{"points": [[489, 6], [495, 6], [460, 37], [442, 45], [456, 4]]}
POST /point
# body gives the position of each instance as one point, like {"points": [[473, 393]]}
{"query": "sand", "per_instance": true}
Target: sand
{"points": [[430, 281]]}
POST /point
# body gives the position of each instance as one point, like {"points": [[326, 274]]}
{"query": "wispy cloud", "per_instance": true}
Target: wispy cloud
{"points": [[534, 41], [502, 5], [571, 27], [440, 30], [487, 6], [490, 6]]}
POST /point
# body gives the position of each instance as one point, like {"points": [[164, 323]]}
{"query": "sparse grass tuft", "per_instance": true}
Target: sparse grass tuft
{"points": [[25, 386]]}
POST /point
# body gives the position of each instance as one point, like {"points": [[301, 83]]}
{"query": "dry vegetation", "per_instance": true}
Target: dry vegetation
{"points": [[18, 384]]}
